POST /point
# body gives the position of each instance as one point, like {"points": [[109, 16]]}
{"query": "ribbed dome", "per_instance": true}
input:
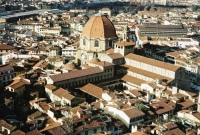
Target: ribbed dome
{"points": [[99, 27]]}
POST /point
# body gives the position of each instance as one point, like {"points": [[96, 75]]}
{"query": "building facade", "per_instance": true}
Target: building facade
{"points": [[6, 75], [98, 36]]}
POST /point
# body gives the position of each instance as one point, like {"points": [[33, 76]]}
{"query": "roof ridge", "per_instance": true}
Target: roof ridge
{"points": [[103, 27], [92, 25]]}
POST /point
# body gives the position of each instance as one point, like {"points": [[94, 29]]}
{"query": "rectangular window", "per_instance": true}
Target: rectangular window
{"points": [[96, 43], [83, 42]]}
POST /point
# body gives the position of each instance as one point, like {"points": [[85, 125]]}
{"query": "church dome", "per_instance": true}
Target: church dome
{"points": [[99, 27]]}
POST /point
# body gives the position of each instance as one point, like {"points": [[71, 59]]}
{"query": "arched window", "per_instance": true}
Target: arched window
{"points": [[96, 43], [83, 41]]}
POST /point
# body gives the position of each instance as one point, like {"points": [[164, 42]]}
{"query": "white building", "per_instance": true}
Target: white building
{"points": [[124, 47], [69, 51], [50, 31], [129, 116], [189, 117], [4, 57], [160, 2], [105, 11], [154, 66], [185, 42]]}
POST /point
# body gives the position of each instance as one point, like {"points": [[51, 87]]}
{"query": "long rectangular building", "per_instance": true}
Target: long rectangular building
{"points": [[81, 77], [153, 66], [162, 30], [16, 16]]}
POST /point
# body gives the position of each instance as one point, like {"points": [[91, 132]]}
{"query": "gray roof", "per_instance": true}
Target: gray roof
{"points": [[24, 13], [163, 29]]}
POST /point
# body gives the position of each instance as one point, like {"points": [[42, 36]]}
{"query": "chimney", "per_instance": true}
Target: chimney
{"points": [[198, 104], [134, 128], [174, 90], [198, 131], [157, 81], [148, 96]]}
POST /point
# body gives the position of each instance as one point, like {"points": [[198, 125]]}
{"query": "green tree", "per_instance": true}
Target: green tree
{"points": [[121, 11], [142, 107], [198, 18], [195, 8]]}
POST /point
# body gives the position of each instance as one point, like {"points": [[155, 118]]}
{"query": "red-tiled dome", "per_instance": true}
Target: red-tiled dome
{"points": [[99, 27]]}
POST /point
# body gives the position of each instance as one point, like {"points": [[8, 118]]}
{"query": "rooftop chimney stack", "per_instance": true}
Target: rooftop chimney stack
{"points": [[198, 104]]}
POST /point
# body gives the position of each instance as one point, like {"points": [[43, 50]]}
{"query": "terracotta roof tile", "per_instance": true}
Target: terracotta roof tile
{"points": [[96, 105], [197, 115], [133, 112], [186, 104], [137, 133], [124, 43], [41, 64], [18, 83], [35, 115], [175, 131], [44, 106], [133, 80], [92, 90], [6, 125], [17, 132], [34, 132], [146, 73], [76, 74], [104, 64], [6, 47], [99, 27], [94, 60], [93, 124], [115, 56], [50, 87], [62, 93], [57, 131], [6, 67], [153, 62], [75, 109], [110, 51], [136, 93], [51, 124], [170, 125], [161, 107]]}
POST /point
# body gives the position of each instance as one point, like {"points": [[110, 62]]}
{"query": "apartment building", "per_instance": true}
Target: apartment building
{"points": [[70, 50], [188, 60], [50, 31], [6, 75]]}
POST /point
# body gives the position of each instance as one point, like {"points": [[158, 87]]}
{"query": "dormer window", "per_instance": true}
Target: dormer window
{"points": [[96, 43]]}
